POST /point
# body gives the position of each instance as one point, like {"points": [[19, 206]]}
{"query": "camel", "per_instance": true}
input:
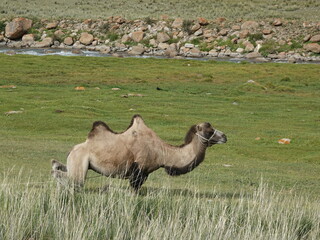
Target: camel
{"points": [[135, 153]]}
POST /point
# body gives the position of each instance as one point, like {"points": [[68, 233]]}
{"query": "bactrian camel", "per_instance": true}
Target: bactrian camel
{"points": [[135, 153]]}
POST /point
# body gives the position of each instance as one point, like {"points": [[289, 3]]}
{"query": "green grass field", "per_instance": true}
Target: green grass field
{"points": [[80, 9], [55, 117], [245, 189]]}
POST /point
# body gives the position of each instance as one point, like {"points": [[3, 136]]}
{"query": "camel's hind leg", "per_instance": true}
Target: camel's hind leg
{"points": [[77, 165]]}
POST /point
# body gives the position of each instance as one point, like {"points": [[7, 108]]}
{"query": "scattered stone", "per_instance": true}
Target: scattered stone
{"points": [[8, 86], [284, 141], [68, 41], [220, 20], [277, 22], [86, 38], [250, 25], [17, 27], [177, 23], [198, 32], [137, 36], [203, 21], [243, 34], [266, 31], [115, 89], [224, 32], [79, 88], [253, 55], [227, 165], [195, 27], [315, 38], [189, 45], [312, 47], [52, 25], [162, 37], [307, 38], [13, 112]]}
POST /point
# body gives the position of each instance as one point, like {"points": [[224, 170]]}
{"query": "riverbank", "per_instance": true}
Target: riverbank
{"points": [[271, 40]]}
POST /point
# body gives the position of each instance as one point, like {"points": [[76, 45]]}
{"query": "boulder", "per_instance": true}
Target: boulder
{"points": [[249, 47], [86, 38], [177, 23], [68, 41], [28, 38], [46, 42], [59, 33], [1, 38], [17, 27], [162, 37], [250, 25], [137, 50], [195, 52], [163, 46], [202, 21], [253, 55], [153, 42], [312, 47], [125, 38], [315, 38], [137, 36], [52, 25], [171, 51]]}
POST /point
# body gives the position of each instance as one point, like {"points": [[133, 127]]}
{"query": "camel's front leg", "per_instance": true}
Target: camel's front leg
{"points": [[137, 177]]}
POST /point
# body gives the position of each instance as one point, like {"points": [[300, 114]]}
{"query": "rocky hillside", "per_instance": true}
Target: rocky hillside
{"points": [[263, 40]]}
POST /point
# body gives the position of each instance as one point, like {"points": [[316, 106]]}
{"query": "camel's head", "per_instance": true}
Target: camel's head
{"points": [[209, 135]]}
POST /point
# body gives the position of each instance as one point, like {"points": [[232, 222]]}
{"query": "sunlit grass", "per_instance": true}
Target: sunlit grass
{"points": [[79, 9]]}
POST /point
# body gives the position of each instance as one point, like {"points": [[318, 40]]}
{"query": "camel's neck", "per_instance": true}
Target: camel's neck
{"points": [[180, 160]]}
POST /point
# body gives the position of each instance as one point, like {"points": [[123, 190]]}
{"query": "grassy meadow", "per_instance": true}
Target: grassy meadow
{"points": [[250, 188], [79, 9]]}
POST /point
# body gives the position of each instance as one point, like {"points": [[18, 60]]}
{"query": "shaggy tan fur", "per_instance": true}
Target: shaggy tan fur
{"points": [[135, 153]]}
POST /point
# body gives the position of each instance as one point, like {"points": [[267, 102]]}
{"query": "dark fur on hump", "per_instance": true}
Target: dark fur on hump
{"points": [[189, 136], [103, 124]]}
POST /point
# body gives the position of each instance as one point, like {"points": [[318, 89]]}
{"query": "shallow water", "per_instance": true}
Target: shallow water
{"points": [[87, 53]]}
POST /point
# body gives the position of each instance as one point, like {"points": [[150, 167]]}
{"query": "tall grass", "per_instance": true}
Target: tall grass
{"points": [[43, 211]]}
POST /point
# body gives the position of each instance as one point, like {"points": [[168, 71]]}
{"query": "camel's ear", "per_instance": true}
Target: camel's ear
{"points": [[199, 128]]}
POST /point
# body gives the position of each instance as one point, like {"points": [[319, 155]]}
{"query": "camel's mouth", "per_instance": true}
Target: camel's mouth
{"points": [[222, 138]]}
